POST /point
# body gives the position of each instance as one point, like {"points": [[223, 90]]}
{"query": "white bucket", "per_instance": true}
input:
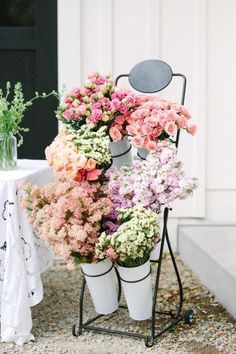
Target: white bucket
{"points": [[142, 153], [102, 287], [138, 295], [123, 148]]}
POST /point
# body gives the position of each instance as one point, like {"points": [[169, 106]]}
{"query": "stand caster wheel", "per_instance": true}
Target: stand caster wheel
{"points": [[189, 317], [149, 341], [74, 332]]}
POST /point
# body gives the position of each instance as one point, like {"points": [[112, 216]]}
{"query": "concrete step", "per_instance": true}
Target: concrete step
{"points": [[210, 251]]}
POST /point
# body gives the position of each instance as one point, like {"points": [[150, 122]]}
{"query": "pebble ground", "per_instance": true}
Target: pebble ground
{"points": [[212, 332]]}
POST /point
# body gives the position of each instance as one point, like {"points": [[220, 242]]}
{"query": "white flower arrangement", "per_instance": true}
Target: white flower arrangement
{"points": [[134, 240], [93, 144]]}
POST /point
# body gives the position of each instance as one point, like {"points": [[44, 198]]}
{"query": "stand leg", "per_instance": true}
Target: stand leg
{"points": [[150, 339], [119, 284], [177, 275], [75, 332]]}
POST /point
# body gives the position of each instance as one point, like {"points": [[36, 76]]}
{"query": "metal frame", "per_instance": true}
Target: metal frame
{"points": [[175, 317]]}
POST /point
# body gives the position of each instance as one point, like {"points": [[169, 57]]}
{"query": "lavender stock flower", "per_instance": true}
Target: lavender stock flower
{"points": [[154, 183]]}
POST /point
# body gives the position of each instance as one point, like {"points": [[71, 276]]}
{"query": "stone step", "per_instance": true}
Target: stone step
{"points": [[210, 251]]}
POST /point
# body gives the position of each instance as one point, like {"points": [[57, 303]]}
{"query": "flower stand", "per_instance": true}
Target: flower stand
{"points": [[174, 316], [159, 75]]}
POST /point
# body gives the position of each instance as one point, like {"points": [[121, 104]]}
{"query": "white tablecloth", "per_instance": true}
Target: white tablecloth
{"points": [[23, 256]]}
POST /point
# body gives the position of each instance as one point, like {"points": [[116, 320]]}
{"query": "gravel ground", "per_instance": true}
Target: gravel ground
{"points": [[213, 331]]}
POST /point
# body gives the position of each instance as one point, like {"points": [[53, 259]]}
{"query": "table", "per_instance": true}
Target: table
{"points": [[23, 256]]}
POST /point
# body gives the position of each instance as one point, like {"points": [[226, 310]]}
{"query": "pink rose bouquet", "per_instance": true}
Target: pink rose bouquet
{"points": [[68, 216], [157, 119], [97, 103], [154, 183]]}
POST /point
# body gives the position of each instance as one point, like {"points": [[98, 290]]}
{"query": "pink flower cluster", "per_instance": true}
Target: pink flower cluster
{"points": [[98, 102], [157, 119], [68, 216], [68, 162]]}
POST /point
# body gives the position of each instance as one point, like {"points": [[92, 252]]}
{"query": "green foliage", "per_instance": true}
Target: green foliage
{"points": [[12, 113]]}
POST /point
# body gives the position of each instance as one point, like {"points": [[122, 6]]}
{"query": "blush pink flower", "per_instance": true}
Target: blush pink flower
{"points": [[192, 129], [138, 141], [182, 121], [151, 145], [110, 253], [170, 128], [146, 129], [115, 134]]}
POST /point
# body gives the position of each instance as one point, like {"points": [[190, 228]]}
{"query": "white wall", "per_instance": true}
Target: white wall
{"points": [[196, 37]]}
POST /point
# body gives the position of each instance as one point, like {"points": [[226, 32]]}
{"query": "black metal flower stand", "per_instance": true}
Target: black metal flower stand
{"points": [[159, 75], [174, 317]]}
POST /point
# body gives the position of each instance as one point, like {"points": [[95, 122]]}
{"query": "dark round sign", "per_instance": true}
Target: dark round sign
{"points": [[150, 76]]}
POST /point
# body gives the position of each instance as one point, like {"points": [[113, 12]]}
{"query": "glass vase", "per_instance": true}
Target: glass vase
{"points": [[8, 152]]}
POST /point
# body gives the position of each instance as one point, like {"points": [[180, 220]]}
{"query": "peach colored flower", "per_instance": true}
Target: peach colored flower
{"points": [[81, 161], [49, 155], [58, 161], [170, 128], [91, 164]]}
